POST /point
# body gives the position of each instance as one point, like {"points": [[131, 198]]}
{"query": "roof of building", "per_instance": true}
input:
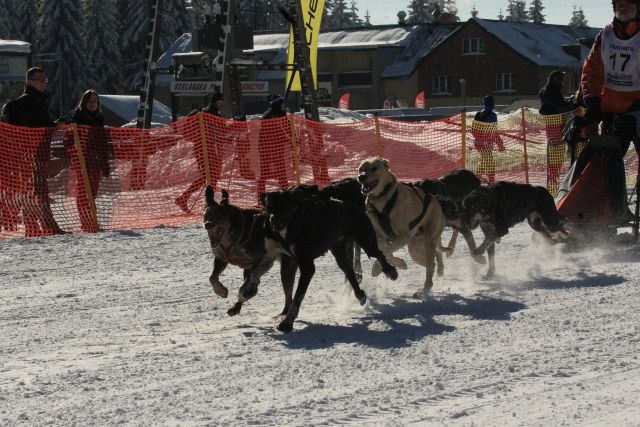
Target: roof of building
{"points": [[16, 46], [540, 43]]}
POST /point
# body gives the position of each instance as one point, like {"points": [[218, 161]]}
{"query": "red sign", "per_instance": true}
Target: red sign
{"points": [[344, 101], [419, 102]]}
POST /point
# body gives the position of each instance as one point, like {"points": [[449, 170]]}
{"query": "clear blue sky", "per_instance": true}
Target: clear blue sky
{"points": [[597, 12]]}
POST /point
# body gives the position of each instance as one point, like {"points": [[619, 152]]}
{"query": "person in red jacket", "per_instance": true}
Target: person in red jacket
{"points": [[611, 71], [611, 86]]}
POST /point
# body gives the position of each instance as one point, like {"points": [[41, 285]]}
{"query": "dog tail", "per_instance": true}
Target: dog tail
{"points": [[452, 243], [445, 249]]}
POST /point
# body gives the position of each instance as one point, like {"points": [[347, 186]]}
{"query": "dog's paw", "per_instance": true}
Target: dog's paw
{"points": [[477, 251], [398, 263], [376, 269], [489, 275], [480, 259], [235, 310], [285, 326], [391, 272], [219, 289], [362, 297]]}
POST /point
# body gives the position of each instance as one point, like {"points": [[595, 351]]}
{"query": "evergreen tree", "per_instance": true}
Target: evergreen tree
{"points": [[339, 15], [24, 24], [136, 26], [261, 15], [418, 12], [176, 21], [577, 18], [59, 30], [367, 19], [352, 14], [6, 18], [516, 11], [535, 12], [103, 59]]}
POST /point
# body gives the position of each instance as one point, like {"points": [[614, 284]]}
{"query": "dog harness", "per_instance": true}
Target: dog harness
{"points": [[384, 217]]}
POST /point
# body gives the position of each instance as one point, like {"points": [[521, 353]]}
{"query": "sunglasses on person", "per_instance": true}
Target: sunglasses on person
{"points": [[41, 79]]}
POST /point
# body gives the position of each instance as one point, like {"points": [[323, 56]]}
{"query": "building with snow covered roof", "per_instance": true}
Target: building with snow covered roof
{"points": [[453, 63]]}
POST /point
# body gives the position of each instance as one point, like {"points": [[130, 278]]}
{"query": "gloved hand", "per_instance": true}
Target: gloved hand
{"points": [[571, 132], [594, 113]]}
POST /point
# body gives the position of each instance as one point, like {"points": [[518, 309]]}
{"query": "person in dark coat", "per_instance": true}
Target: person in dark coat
{"points": [[275, 139], [97, 151], [485, 134], [31, 110], [553, 107]]}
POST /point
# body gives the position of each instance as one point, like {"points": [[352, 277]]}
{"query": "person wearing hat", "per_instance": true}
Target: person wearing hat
{"points": [[553, 107], [611, 86], [215, 152], [275, 140], [216, 104], [485, 134]]}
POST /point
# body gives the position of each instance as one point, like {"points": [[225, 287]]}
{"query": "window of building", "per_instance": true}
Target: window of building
{"points": [[440, 85], [504, 82], [470, 46], [354, 79]]}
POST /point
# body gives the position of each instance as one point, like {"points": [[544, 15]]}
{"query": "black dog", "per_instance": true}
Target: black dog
{"points": [[450, 189], [346, 190], [309, 226], [506, 204], [241, 237]]}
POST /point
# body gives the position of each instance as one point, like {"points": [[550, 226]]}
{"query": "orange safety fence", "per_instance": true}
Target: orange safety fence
{"points": [[77, 178]]}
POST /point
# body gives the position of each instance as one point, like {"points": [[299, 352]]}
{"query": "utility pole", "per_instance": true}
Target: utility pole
{"points": [[145, 108]]}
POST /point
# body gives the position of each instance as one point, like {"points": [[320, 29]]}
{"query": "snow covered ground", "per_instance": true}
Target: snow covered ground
{"points": [[123, 328]]}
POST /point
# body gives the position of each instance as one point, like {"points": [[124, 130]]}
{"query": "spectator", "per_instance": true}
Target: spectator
{"points": [[97, 152], [485, 134], [611, 87], [31, 110], [214, 151], [553, 105], [274, 141]]}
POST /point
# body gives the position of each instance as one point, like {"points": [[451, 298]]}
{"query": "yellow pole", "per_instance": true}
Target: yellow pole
{"points": [[463, 136], [295, 147], [85, 175], [205, 149], [379, 138], [523, 125]]}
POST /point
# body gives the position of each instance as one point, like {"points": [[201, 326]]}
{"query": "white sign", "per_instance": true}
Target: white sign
{"points": [[200, 87], [194, 87], [255, 87]]}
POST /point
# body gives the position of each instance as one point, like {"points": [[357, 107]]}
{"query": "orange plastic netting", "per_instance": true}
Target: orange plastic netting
{"points": [[75, 179]]}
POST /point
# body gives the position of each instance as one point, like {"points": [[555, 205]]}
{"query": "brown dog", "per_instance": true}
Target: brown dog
{"points": [[403, 215]]}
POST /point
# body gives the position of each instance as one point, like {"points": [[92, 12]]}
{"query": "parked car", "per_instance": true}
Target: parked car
{"points": [[122, 111]]}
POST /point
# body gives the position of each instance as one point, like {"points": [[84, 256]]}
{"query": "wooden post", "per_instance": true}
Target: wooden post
{"points": [[295, 147], [378, 138], [205, 149], [85, 175], [463, 136], [523, 126]]}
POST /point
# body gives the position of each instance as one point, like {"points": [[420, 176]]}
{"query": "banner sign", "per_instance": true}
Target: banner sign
{"points": [[419, 102], [199, 87], [344, 101], [312, 15]]}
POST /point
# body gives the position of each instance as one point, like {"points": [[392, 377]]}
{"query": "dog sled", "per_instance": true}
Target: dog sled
{"points": [[593, 197]]}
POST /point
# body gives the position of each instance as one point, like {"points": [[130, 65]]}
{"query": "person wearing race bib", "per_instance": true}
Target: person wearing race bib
{"points": [[611, 71], [611, 89]]}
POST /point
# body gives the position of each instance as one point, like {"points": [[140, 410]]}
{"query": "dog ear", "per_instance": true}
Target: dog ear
{"points": [[225, 198], [263, 199], [385, 163], [209, 196]]}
